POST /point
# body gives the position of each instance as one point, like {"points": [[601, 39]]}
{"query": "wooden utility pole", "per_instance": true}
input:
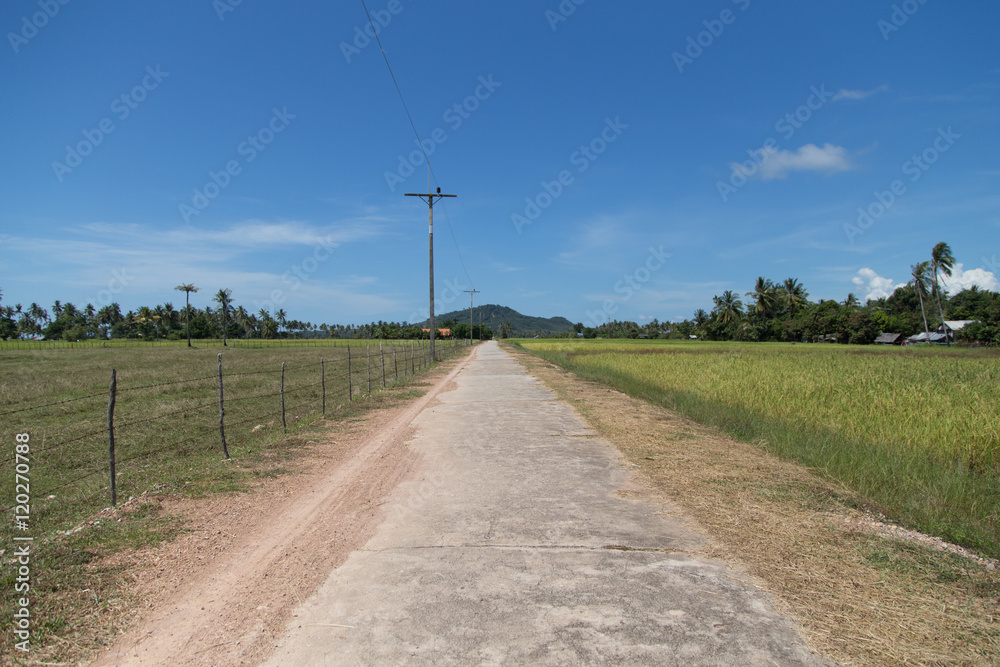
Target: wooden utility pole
{"points": [[429, 199], [471, 292]]}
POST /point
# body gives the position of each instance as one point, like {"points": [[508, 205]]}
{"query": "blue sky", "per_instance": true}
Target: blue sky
{"points": [[622, 160]]}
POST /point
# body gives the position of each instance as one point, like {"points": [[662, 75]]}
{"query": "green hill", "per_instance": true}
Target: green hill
{"points": [[493, 316]]}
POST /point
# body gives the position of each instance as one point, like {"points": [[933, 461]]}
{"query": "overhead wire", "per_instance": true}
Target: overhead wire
{"points": [[420, 143]]}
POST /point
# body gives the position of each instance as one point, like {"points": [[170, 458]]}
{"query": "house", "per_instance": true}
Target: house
{"points": [[951, 326], [889, 339], [444, 333], [921, 337]]}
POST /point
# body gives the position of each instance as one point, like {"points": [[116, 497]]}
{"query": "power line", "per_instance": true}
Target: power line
{"points": [[396, 83], [430, 169]]}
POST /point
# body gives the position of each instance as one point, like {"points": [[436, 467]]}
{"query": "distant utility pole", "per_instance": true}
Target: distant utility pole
{"points": [[429, 199], [471, 292]]}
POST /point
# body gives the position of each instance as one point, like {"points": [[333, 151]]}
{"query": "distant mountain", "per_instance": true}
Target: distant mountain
{"points": [[493, 316]]}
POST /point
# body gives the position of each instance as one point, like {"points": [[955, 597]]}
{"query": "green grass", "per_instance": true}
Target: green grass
{"points": [[166, 438], [917, 432]]}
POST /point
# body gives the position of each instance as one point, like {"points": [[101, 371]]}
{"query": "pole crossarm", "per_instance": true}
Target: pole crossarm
{"points": [[429, 199]]}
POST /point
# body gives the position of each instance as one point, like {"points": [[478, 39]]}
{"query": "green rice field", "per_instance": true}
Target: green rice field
{"points": [[916, 432]]}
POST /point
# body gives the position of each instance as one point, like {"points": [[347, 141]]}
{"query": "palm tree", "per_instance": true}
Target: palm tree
{"points": [[942, 261], [146, 316], [921, 283], [224, 298], [851, 301], [763, 296], [793, 295], [187, 289], [728, 306], [281, 317], [242, 318]]}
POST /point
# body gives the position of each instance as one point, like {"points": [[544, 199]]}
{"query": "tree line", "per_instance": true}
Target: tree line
{"points": [[224, 320], [783, 312]]}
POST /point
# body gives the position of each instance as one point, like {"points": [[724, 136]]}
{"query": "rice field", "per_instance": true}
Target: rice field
{"points": [[917, 432]]}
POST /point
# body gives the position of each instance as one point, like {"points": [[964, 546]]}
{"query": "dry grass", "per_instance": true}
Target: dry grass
{"points": [[860, 598]]}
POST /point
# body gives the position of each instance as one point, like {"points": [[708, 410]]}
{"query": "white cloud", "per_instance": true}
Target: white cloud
{"points": [[961, 279], [872, 285], [779, 163], [844, 94]]}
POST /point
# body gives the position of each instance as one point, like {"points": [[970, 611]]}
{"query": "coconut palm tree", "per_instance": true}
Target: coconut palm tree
{"points": [[793, 295], [224, 297], [942, 261], [728, 307], [281, 317], [242, 318], [763, 296], [187, 289], [921, 283], [851, 301]]}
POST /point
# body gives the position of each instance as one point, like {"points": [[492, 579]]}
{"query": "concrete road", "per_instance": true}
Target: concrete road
{"points": [[513, 547]]}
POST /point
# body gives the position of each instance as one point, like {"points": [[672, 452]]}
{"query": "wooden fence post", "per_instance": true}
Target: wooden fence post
{"points": [[381, 355], [350, 388], [111, 435], [322, 379], [368, 357], [395, 367], [284, 426], [222, 413]]}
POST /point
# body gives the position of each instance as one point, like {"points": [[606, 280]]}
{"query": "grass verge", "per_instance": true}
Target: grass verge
{"points": [[764, 396]]}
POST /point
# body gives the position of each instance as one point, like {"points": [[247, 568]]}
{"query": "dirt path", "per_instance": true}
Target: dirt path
{"points": [[221, 595]]}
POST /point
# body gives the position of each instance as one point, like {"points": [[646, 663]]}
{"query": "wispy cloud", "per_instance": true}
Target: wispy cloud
{"points": [[505, 268], [779, 163], [855, 95]]}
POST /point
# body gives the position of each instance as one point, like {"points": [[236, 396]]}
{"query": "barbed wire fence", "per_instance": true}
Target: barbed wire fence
{"points": [[119, 442]]}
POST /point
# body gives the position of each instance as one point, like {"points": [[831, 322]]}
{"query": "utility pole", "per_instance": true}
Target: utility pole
{"points": [[471, 292], [429, 199]]}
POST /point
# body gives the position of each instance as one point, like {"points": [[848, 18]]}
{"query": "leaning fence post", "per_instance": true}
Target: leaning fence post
{"points": [[381, 355], [322, 379], [368, 357], [350, 388], [284, 426], [395, 367], [222, 413], [111, 435]]}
